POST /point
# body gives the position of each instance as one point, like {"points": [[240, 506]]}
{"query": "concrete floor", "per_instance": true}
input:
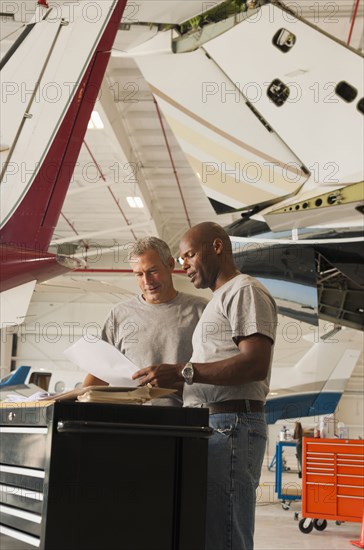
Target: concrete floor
{"points": [[276, 528]]}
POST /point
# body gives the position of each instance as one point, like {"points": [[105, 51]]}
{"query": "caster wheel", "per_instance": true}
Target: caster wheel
{"points": [[286, 505], [296, 516], [338, 522], [320, 524], [305, 525]]}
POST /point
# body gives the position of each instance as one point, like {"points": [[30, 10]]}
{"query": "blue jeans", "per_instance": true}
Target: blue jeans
{"points": [[236, 452]]}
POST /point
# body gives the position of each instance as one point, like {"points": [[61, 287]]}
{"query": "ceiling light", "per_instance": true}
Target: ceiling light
{"points": [[95, 122], [138, 202], [135, 202]]}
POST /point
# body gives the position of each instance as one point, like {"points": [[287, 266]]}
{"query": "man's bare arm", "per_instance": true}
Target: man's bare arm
{"points": [[250, 365]]}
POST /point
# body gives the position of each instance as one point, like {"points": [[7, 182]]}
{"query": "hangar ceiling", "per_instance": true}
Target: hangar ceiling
{"points": [[132, 178]]}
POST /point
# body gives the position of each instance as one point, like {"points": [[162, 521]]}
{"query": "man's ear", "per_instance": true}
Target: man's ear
{"points": [[171, 263], [218, 246]]}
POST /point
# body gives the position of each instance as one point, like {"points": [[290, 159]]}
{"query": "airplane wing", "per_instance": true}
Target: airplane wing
{"points": [[242, 152], [261, 126], [315, 384], [49, 94], [317, 275]]}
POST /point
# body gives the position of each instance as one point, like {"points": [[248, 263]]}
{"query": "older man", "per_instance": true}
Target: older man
{"points": [[229, 372], [157, 325]]}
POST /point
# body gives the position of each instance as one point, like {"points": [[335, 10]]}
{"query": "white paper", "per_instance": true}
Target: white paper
{"points": [[16, 397], [103, 361]]}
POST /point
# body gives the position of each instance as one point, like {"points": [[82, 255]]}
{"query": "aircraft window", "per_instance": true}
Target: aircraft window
{"points": [[360, 105], [346, 91], [284, 40], [59, 386], [278, 92]]}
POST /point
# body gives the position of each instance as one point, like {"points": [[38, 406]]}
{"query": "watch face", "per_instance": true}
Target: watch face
{"points": [[187, 373]]}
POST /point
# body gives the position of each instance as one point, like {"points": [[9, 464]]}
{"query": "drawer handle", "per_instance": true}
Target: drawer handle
{"points": [[94, 427]]}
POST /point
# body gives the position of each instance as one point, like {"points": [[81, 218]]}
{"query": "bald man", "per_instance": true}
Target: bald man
{"points": [[229, 373]]}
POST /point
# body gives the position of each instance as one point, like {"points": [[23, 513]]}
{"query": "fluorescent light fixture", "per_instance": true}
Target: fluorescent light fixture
{"points": [[95, 122], [135, 202], [138, 202]]}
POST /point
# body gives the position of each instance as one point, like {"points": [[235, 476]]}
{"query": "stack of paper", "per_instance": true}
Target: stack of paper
{"points": [[112, 394]]}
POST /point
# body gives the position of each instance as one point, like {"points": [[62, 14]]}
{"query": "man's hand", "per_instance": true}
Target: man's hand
{"points": [[161, 376]]}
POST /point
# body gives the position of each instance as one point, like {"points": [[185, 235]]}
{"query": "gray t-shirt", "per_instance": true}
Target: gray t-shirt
{"points": [[150, 334], [241, 307]]}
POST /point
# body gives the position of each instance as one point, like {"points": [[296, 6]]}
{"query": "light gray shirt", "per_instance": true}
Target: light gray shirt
{"points": [[150, 334], [239, 308]]}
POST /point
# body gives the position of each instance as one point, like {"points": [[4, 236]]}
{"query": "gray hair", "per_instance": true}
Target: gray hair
{"points": [[141, 246]]}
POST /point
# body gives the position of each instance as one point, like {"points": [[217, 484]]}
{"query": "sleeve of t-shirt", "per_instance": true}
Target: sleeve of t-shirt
{"points": [[250, 311], [107, 332], [202, 303]]}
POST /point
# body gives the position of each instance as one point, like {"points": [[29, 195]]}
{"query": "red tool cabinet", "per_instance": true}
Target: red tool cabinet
{"points": [[332, 480]]}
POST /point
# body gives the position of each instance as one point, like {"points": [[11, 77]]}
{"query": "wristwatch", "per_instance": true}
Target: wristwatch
{"points": [[187, 373]]}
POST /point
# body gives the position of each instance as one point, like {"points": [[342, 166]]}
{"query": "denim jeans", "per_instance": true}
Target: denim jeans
{"points": [[236, 452]]}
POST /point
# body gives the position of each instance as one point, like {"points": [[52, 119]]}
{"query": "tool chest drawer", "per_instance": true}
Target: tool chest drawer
{"points": [[333, 479], [50, 458]]}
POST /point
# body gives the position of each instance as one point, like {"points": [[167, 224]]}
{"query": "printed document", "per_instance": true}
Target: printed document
{"points": [[104, 361]]}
